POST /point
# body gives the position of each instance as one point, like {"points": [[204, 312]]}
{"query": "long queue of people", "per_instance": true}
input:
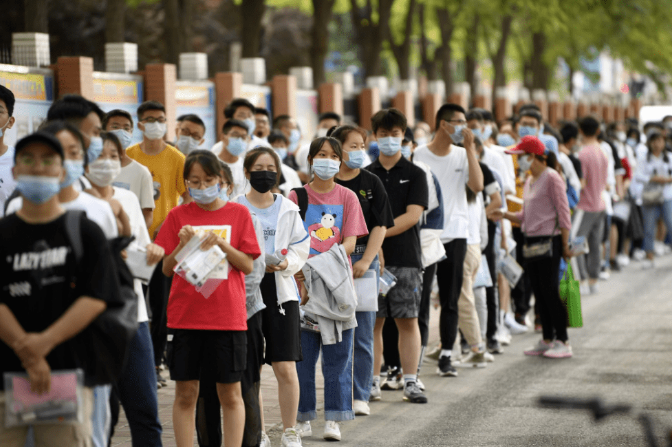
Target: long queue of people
{"points": [[337, 249]]}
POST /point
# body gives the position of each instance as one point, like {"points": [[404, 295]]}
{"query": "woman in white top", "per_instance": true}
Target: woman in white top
{"points": [[654, 173]]}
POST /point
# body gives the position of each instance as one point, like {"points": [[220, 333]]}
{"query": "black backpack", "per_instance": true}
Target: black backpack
{"points": [[106, 340], [302, 198]]}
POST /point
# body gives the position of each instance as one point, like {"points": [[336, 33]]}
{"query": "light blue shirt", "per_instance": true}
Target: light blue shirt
{"points": [[268, 217]]}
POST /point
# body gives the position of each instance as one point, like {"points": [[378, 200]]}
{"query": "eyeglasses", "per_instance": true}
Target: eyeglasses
{"points": [[197, 184], [29, 160], [153, 120]]}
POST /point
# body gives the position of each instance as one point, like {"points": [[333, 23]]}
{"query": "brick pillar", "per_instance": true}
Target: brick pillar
{"points": [[331, 98], [518, 105], [404, 102], [160, 86], [608, 113], [502, 105], [555, 113], [596, 110], [228, 86], [569, 110], [480, 102], [541, 100], [581, 110], [460, 99], [283, 89], [636, 105], [430, 106], [369, 104], [619, 113], [74, 75]]}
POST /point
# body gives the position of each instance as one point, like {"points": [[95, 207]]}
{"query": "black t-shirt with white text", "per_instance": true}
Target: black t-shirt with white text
{"points": [[41, 279]]}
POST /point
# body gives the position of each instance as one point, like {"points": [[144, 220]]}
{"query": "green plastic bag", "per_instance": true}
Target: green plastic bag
{"points": [[570, 294]]}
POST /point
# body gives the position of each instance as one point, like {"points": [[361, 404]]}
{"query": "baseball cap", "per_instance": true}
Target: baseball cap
{"points": [[39, 137], [529, 145]]}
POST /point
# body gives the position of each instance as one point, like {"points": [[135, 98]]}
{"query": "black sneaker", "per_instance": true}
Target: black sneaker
{"points": [[445, 368], [614, 266], [494, 347], [394, 380], [413, 394]]}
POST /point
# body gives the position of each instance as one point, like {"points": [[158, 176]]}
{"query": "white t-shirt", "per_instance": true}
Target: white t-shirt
{"points": [[242, 186], [131, 205], [569, 171], [611, 178], [495, 161], [7, 182], [476, 213], [509, 174], [96, 209], [254, 142], [137, 179], [452, 172], [292, 180], [301, 158]]}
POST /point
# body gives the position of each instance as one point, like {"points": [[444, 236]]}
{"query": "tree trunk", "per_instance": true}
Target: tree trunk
{"points": [[252, 12], [186, 20], [540, 72], [172, 31], [428, 64], [115, 29], [402, 53], [570, 87], [369, 36], [446, 26], [36, 18], [320, 35], [471, 54], [498, 61]]}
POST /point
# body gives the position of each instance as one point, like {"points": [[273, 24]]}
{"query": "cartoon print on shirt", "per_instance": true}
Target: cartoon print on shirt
{"points": [[324, 224]]}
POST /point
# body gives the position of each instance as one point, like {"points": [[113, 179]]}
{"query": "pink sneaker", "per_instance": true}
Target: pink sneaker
{"points": [[539, 349], [559, 350]]}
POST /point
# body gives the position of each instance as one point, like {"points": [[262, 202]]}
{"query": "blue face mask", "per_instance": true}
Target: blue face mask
{"points": [[631, 142], [478, 134], [294, 137], [406, 152], [505, 140], [357, 159], [525, 131], [389, 145], [251, 125], [95, 149], [487, 131], [374, 150], [37, 189], [124, 137], [74, 169], [282, 152], [236, 146], [458, 136], [224, 195], [2, 129], [205, 196], [326, 168]]}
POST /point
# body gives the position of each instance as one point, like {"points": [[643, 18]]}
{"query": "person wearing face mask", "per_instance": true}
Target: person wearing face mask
{"points": [[325, 122], [133, 176], [241, 109], [262, 120], [41, 334], [297, 155], [286, 247], [545, 217], [332, 216], [7, 182], [190, 134], [454, 167], [289, 178], [208, 331], [378, 216], [234, 145]]}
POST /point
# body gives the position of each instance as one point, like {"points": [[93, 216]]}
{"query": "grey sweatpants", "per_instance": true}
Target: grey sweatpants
{"points": [[591, 226]]}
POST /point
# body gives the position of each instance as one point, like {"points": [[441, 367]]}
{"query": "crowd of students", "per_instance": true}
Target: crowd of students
{"points": [[307, 232]]}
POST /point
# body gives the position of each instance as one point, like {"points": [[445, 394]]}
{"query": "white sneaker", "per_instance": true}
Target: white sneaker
{"points": [[503, 335], [604, 275], [488, 357], [375, 391], [331, 431], [361, 408], [304, 429], [648, 264], [658, 248], [420, 384], [623, 260], [638, 254], [515, 327], [265, 441], [290, 438]]}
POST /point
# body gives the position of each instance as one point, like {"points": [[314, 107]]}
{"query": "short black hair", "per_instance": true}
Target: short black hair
{"points": [[487, 115], [317, 144], [55, 127], [656, 124], [208, 161], [109, 136], [569, 131], [633, 131], [531, 113], [193, 119], [276, 136], [589, 126], [446, 113], [150, 105], [231, 108], [475, 115], [329, 116], [7, 97], [180, 118], [529, 106], [39, 137], [234, 123], [280, 121], [73, 108], [262, 111], [116, 112], [388, 119]]}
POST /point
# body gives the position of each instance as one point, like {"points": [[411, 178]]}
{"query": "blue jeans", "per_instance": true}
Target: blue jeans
{"points": [[100, 418], [137, 390], [363, 360], [337, 372], [651, 215]]}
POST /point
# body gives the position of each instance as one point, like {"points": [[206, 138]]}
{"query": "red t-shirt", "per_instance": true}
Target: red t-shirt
{"points": [[225, 309]]}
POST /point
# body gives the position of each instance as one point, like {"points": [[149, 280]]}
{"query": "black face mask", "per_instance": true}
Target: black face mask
{"points": [[263, 181]]}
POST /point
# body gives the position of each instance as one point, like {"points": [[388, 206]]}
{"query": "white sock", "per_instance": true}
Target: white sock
{"points": [[446, 352], [376, 379], [410, 378]]}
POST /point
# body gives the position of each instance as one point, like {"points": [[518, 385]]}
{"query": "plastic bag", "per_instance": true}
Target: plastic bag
{"points": [[570, 294]]}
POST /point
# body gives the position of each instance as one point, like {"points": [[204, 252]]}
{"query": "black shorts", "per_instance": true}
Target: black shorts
{"points": [[255, 352], [281, 332], [189, 350]]}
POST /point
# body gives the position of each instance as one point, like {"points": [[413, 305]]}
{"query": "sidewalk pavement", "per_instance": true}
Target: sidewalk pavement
{"points": [[269, 390]]}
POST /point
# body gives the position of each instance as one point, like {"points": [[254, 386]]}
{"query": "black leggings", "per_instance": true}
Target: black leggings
{"points": [[544, 274]]}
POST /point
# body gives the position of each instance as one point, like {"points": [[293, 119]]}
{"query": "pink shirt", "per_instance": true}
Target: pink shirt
{"points": [[594, 165], [545, 206]]}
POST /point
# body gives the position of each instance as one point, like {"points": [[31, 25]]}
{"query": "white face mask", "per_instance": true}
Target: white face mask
{"points": [[155, 131], [102, 172], [186, 144]]}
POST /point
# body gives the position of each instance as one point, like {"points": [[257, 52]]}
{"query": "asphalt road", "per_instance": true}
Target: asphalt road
{"points": [[622, 354]]}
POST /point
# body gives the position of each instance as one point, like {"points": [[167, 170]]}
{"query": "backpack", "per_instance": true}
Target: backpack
{"points": [[106, 340], [302, 198]]}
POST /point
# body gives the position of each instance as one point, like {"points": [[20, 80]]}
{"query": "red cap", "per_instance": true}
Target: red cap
{"points": [[529, 145]]}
